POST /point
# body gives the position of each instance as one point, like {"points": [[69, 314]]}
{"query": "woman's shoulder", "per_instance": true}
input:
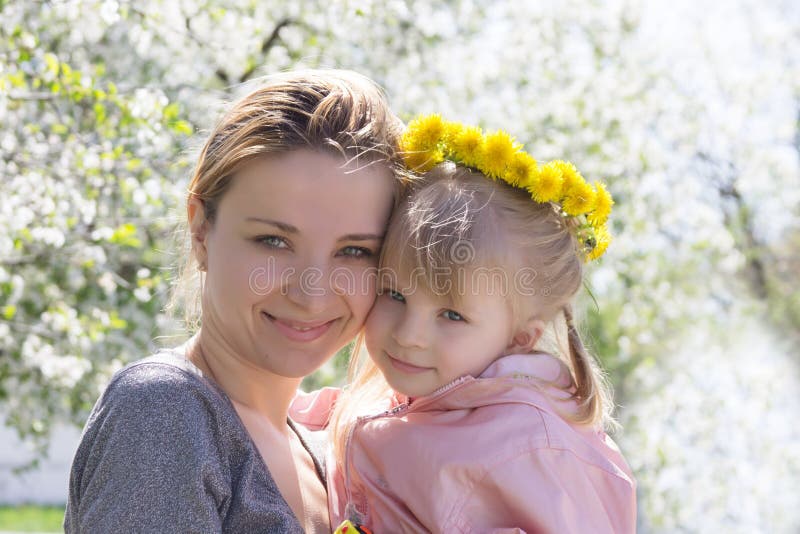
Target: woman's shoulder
{"points": [[160, 425], [162, 365], [164, 373], [163, 386], [161, 408]]}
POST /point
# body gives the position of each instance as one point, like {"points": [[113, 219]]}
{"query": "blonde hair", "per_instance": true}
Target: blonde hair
{"points": [[338, 111], [499, 227]]}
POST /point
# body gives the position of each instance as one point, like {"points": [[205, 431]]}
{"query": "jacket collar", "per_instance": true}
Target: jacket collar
{"points": [[539, 379]]}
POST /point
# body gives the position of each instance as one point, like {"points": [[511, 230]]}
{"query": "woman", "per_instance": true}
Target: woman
{"points": [[286, 211]]}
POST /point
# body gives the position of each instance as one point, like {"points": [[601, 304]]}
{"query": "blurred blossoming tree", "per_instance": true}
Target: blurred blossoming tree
{"points": [[690, 116]]}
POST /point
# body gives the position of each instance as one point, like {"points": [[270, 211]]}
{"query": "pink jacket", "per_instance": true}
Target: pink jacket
{"points": [[487, 454]]}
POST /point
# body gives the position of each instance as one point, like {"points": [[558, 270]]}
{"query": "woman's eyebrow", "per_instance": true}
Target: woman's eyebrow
{"points": [[288, 228], [361, 237]]}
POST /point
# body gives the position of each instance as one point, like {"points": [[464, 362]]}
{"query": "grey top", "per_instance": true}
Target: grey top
{"points": [[165, 451]]}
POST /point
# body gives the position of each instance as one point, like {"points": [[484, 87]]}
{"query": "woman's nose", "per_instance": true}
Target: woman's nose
{"points": [[309, 287]]}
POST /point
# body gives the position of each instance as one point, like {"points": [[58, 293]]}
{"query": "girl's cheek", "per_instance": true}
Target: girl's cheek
{"points": [[375, 318]]}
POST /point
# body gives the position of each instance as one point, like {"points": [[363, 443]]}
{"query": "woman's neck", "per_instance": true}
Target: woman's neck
{"points": [[247, 385]]}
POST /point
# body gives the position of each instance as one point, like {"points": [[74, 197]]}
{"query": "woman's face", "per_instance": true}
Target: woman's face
{"points": [[291, 257]]}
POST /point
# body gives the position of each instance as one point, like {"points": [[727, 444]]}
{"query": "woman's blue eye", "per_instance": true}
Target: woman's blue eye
{"points": [[357, 252], [394, 295], [273, 241], [452, 315]]}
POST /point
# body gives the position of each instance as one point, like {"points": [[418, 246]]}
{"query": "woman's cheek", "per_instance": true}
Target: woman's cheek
{"points": [[267, 275], [360, 286]]}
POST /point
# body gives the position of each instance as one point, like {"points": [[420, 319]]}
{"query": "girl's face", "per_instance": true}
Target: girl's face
{"points": [[290, 258], [420, 342]]}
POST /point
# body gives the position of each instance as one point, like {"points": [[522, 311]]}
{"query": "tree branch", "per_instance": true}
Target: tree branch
{"points": [[267, 45], [751, 247], [39, 95]]}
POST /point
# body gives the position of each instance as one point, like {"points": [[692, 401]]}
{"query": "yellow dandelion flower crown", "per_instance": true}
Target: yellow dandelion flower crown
{"points": [[429, 140]]}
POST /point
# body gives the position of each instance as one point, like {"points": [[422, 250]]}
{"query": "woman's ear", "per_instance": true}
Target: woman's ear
{"points": [[198, 228], [526, 337]]}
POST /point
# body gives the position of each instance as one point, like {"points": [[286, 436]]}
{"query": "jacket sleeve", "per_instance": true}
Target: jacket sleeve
{"points": [[548, 490], [313, 410]]}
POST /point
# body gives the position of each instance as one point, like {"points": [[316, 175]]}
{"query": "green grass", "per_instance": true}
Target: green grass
{"points": [[31, 518]]}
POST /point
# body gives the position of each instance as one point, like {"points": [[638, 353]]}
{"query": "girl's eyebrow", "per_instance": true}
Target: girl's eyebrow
{"points": [[288, 228]]}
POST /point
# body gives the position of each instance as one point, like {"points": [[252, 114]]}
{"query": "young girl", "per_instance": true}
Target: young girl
{"points": [[465, 419]]}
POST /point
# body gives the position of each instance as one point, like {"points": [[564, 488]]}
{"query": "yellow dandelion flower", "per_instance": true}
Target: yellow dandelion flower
{"points": [[426, 131], [498, 153], [571, 175], [451, 131], [602, 205], [422, 160], [547, 184], [467, 146], [521, 170], [408, 142], [579, 199], [602, 240]]}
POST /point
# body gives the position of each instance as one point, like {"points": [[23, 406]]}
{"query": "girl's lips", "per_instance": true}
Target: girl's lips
{"points": [[299, 330], [406, 367]]}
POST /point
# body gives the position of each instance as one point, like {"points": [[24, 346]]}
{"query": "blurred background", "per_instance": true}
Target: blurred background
{"points": [[688, 109]]}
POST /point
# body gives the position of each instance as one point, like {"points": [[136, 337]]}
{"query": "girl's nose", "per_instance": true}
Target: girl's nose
{"points": [[410, 331]]}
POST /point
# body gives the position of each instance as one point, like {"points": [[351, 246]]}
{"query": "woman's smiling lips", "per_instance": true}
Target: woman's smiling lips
{"points": [[301, 331], [404, 367]]}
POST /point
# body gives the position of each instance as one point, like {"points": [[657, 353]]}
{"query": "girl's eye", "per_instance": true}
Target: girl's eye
{"points": [[357, 252], [452, 315], [394, 295], [273, 241]]}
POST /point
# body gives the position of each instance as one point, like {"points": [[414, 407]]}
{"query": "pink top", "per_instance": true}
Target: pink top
{"points": [[486, 454]]}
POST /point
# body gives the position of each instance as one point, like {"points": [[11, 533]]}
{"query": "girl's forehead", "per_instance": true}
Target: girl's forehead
{"points": [[450, 284]]}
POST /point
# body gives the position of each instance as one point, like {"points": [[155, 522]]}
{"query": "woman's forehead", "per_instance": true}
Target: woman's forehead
{"points": [[311, 191]]}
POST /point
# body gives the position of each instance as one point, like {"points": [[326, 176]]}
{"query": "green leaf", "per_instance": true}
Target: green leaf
{"points": [[171, 111], [100, 113], [133, 164], [116, 322], [17, 79], [182, 127], [52, 62], [9, 311], [125, 235]]}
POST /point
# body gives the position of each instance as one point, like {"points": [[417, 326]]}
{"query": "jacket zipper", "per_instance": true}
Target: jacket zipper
{"points": [[353, 512], [437, 394]]}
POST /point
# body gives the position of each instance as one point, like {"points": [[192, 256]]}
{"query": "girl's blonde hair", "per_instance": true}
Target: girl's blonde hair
{"points": [[338, 111], [456, 220]]}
